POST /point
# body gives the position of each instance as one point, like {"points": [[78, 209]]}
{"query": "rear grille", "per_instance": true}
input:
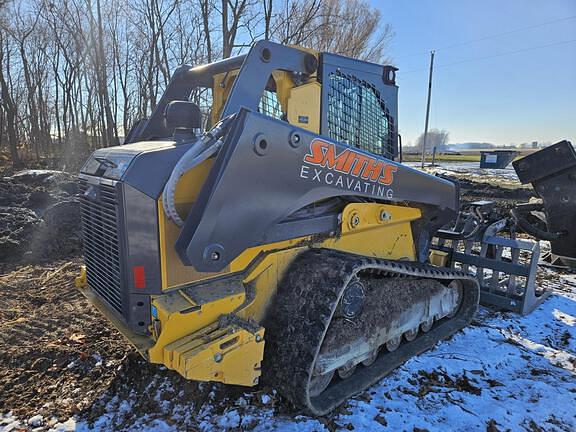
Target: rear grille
{"points": [[101, 243]]}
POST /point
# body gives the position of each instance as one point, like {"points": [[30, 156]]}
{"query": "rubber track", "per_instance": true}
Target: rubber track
{"points": [[302, 311]]}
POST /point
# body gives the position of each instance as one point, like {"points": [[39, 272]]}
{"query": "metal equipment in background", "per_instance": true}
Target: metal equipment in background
{"points": [[497, 159], [552, 173], [485, 245]]}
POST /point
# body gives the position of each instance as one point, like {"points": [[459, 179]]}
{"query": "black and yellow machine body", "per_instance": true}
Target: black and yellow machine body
{"points": [[304, 173]]}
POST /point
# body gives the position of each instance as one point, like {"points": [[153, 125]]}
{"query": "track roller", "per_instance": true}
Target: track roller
{"points": [[427, 325], [346, 371], [393, 344], [410, 335], [372, 358]]}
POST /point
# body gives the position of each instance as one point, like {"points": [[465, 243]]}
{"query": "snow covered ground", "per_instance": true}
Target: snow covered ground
{"points": [[470, 169], [504, 372]]}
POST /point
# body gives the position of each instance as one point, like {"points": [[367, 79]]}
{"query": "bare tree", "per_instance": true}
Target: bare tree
{"points": [[297, 21], [235, 15], [9, 109], [76, 74], [348, 27], [436, 139]]}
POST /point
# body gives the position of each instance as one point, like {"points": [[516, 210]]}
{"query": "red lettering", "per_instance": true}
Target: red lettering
{"points": [[372, 169], [388, 175], [348, 161], [317, 149]]}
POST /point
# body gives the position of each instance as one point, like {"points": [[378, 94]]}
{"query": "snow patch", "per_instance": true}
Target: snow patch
{"points": [[36, 421]]}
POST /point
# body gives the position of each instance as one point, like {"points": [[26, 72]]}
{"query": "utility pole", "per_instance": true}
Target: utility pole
{"points": [[428, 108]]}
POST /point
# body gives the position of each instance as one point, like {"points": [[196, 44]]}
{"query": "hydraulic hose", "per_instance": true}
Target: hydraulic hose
{"points": [[205, 147], [528, 228]]}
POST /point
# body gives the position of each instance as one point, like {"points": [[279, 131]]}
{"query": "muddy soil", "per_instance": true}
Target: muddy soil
{"points": [[57, 354], [59, 358], [39, 216], [382, 294]]}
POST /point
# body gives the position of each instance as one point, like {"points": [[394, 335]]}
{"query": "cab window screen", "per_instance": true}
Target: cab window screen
{"points": [[269, 105], [358, 116]]}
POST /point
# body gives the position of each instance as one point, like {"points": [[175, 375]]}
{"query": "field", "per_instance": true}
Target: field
{"points": [[443, 158], [462, 156]]}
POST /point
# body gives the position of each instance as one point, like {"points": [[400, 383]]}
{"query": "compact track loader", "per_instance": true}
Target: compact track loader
{"points": [[257, 225]]}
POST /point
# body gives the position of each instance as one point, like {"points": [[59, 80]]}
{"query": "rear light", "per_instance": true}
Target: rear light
{"points": [[139, 277]]}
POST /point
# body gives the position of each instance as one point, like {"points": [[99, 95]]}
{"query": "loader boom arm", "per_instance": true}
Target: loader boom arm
{"points": [[268, 169]]}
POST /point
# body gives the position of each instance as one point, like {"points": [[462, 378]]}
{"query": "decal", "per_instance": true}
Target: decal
{"points": [[348, 169]]}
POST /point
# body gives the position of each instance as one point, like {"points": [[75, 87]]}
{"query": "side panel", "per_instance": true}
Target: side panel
{"points": [[268, 169], [106, 210], [304, 106], [142, 241]]}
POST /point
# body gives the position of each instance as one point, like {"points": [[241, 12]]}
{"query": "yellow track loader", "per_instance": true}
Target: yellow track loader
{"points": [[257, 226]]}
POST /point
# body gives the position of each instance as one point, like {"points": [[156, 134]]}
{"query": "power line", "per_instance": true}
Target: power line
{"points": [[495, 55], [521, 29], [507, 33]]}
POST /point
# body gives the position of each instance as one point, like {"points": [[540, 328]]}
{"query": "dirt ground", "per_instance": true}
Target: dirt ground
{"points": [[58, 355], [59, 358], [54, 346]]}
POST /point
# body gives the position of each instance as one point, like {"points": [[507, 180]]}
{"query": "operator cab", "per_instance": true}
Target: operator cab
{"points": [[287, 84]]}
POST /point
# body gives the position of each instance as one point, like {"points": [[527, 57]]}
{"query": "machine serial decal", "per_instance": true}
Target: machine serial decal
{"points": [[371, 174]]}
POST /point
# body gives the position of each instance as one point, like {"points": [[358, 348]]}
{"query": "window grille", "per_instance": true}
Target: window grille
{"points": [[269, 105], [358, 116]]}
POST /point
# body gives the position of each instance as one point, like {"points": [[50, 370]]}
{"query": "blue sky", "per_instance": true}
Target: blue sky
{"points": [[512, 98]]}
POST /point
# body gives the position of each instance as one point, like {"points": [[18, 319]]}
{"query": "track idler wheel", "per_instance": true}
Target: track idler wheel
{"points": [[319, 383], [346, 371], [456, 285]]}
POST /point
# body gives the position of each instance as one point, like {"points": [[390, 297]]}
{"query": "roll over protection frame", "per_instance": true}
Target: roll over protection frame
{"points": [[255, 68]]}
